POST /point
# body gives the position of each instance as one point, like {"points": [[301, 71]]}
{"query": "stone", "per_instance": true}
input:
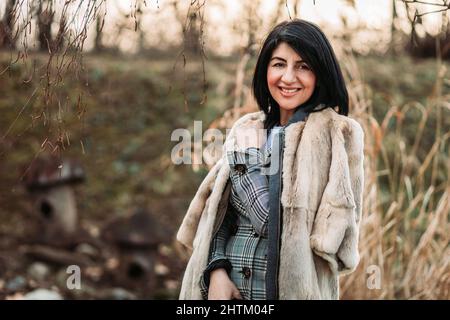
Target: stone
{"points": [[38, 271], [87, 249], [120, 294], [42, 294], [16, 284]]}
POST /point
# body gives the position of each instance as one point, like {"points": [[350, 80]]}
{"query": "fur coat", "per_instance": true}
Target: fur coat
{"points": [[322, 179]]}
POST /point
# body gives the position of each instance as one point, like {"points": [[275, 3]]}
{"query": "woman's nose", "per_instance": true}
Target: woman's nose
{"points": [[288, 76]]}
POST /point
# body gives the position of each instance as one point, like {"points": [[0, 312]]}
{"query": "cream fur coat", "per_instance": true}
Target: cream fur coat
{"points": [[321, 197]]}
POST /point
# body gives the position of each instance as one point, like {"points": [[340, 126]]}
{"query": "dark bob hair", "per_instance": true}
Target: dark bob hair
{"points": [[312, 45]]}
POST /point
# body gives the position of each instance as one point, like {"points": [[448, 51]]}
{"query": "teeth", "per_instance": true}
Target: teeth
{"points": [[289, 90]]}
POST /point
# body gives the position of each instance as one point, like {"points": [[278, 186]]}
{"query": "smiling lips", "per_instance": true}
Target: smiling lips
{"points": [[289, 92]]}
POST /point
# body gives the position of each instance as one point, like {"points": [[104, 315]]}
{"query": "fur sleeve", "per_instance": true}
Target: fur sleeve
{"points": [[188, 228], [335, 230]]}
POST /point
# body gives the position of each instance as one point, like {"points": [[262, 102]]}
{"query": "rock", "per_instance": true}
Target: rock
{"points": [[42, 294], [120, 294], [172, 284], [61, 278], [15, 296], [38, 271], [140, 230], [16, 284], [87, 249], [161, 270], [85, 292]]}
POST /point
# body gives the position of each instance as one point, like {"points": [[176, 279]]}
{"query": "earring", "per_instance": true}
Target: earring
{"points": [[270, 106]]}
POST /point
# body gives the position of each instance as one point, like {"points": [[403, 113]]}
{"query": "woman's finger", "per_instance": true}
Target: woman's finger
{"points": [[237, 294]]}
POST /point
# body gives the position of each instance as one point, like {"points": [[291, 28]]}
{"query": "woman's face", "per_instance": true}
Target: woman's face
{"points": [[290, 80]]}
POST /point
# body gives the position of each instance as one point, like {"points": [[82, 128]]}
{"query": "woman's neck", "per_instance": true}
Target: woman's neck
{"points": [[285, 115]]}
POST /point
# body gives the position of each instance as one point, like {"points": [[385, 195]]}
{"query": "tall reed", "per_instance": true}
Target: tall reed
{"points": [[405, 230]]}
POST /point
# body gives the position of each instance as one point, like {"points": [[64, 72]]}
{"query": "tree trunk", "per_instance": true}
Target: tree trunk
{"points": [[296, 5], [99, 22], [44, 24], [394, 32], [7, 39], [277, 14]]}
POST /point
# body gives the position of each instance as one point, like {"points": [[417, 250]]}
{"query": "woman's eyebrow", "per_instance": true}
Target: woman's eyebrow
{"points": [[284, 60]]}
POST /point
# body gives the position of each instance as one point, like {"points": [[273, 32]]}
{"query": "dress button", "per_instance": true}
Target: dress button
{"points": [[240, 168], [247, 272]]}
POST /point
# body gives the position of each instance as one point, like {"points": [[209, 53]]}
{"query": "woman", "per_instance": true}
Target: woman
{"points": [[278, 216]]}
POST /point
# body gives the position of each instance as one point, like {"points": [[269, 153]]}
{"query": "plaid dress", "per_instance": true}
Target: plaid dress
{"points": [[240, 245]]}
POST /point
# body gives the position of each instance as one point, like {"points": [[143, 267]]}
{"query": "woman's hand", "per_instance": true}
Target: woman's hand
{"points": [[221, 287]]}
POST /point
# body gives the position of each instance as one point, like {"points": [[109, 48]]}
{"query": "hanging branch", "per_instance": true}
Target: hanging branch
{"points": [[444, 6]]}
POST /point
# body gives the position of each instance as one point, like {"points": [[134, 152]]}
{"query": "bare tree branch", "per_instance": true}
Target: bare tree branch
{"points": [[445, 6]]}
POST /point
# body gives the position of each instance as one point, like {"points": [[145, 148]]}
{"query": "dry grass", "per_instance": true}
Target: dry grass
{"points": [[405, 227]]}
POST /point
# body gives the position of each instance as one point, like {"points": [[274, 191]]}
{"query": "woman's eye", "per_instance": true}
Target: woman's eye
{"points": [[278, 65], [304, 67]]}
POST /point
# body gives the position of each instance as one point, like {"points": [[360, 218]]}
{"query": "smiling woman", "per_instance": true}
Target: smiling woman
{"points": [[287, 232], [297, 56], [291, 81]]}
